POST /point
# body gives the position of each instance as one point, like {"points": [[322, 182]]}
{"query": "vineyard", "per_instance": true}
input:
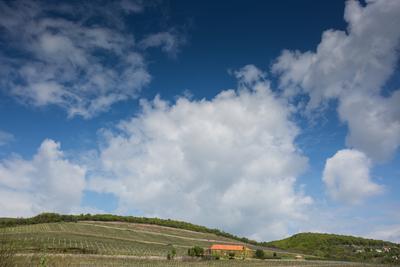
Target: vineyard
{"points": [[111, 261], [95, 243], [105, 238]]}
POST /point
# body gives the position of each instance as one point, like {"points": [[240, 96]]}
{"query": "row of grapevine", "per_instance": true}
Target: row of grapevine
{"points": [[111, 262]]}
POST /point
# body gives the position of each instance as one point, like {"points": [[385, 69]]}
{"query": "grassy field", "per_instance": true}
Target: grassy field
{"points": [[111, 261]]}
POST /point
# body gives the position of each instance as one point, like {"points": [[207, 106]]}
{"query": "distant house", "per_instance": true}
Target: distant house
{"points": [[298, 257], [229, 251]]}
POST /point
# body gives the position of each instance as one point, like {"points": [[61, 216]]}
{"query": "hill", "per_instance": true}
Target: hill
{"points": [[54, 217], [109, 240], [340, 247]]}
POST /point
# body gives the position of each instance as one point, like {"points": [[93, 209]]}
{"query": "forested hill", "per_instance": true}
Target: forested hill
{"points": [[340, 247]]}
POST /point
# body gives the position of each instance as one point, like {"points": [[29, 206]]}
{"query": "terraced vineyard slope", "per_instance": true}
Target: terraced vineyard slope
{"points": [[107, 238], [59, 240]]}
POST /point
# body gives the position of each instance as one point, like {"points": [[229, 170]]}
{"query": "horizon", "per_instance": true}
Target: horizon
{"points": [[263, 119]]}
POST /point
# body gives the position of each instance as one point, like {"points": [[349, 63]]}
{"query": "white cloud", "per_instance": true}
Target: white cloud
{"points": [[216, 162], [390, 233], [79, 57], [353, 67], [347, 177], [374, 124], [48, 182], [169, 42], [249, 74], [5, 137], [132, 6]]}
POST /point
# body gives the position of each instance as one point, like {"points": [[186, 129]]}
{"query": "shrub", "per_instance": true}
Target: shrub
{"points": [[259, 254], [171, 255], [196, 251]]}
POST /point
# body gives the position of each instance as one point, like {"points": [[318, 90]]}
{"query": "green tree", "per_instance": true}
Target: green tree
{"points": [[196, 251], [171, 255], [43, 261], [173, 252], [260, 254]]}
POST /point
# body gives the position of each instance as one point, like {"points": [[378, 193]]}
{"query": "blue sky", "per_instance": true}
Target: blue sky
{"points": [[260, 118]]}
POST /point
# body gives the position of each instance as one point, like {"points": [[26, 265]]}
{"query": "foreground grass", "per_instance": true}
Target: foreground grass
{"points": [[111, 261]]}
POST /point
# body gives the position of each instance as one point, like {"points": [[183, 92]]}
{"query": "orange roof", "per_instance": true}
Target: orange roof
{"points": [[227, 247]]}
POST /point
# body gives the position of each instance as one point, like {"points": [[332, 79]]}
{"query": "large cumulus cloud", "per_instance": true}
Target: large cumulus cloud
{"points": [[216, 162], [352, 67], [347, 177]]}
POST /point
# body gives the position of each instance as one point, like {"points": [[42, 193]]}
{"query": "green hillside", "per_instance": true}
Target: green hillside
{"points": [[341, 247], [54, 217], [107, 240]]}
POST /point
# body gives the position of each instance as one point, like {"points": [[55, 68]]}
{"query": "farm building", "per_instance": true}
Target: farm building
{"points": [[229, 251]]}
